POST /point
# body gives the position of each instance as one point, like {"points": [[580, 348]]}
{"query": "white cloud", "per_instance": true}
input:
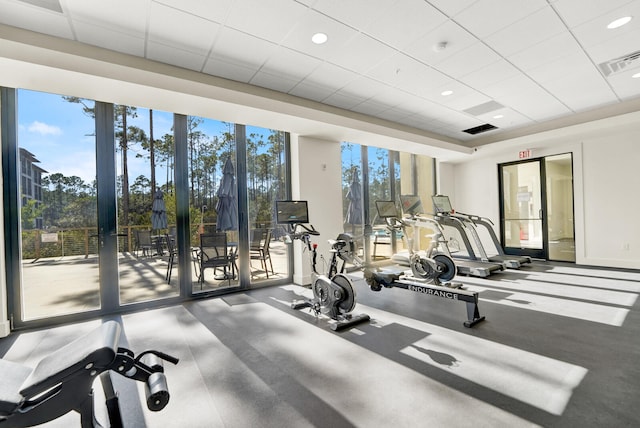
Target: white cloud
{"points": [[44, 129]]}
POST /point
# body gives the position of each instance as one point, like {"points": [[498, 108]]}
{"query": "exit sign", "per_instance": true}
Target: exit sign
{"points": [[524, 154]]}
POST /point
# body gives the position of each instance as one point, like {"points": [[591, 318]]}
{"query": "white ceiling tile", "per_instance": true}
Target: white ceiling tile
{"points": [[463, 98], [330, 75], [273, 81], [456, 37], [583, 93], [451, 8], [510, 118], [109, 39], [355, 13], [396, 114], [540, 106], [343, 100], [404, 23], [299, 38], [550, 50], [363, 87], [290, 64], [486, 17], [576, 65], [174, 56], [229, 70], [111, 14], [360, 54], [388, 96], [526, 32], [416, 104], [576, 12], [406, 73], [311, 91], [34, 18], [213, 10], [241, 48], [270, 20], [415, 121], [489, 75], [467, 61], [370, 107], [528, 98], [181, 30]]}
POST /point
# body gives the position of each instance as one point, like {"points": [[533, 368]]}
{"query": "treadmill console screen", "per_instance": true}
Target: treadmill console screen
{"points": [[291, 212], [441, 204], [386, 209], [411, 204]]}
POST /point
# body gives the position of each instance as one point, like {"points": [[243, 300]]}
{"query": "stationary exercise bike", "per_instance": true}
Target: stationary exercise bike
{"points": [[435, 267], [333, 293]]}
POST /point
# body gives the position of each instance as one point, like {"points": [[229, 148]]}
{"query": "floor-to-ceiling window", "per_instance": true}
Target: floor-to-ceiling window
{"points": [[266, 184], [145, 202], [58, 205], [353, 209], [102, 196], [213, 202], [370, 174]]}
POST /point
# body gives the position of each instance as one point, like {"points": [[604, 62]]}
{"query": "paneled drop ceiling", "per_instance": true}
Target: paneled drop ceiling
{"points": [[514, 64]]}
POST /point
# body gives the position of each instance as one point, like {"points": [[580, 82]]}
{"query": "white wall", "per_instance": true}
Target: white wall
{"points": [[317, 178], [606, 160]]}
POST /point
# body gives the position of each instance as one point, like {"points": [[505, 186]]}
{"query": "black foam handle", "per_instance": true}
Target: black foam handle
{"points": [[157, 391]]}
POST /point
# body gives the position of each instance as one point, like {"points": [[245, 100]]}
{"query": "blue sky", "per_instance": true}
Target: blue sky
{"points": [[58, 133]]}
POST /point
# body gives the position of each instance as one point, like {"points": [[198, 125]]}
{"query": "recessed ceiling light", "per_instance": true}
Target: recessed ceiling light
{"points": [[445, 93], [498, 116], [319, 38], [636, 76], [619, 22]]}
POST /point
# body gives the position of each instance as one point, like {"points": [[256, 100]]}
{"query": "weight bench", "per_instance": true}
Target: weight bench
{"points": [[63, 381]]}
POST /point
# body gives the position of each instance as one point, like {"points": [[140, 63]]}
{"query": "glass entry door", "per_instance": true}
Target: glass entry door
{"points": [[536, 208]]}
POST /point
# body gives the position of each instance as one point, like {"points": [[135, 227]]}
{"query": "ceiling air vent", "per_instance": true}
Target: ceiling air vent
{"points": [[480, 129], [620, 64]]}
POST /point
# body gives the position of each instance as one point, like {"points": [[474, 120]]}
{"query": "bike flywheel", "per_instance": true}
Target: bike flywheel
{"points": [[348, 301], [446, 267]]}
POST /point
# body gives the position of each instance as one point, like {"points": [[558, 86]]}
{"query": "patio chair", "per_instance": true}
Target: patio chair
{"points": [[173, 253], [144, 242], [214, 254], [259, 248]]}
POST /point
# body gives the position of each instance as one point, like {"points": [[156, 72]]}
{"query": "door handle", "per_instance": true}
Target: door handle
{"points": [[540, 214]]}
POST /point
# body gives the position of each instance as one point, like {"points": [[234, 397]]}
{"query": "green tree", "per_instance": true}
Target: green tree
{"points": [[30, 212]]}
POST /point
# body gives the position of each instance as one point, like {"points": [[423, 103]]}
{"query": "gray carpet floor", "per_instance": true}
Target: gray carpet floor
{"points": [[559, 348]]}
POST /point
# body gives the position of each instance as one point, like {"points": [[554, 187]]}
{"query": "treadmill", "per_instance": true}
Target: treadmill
{"points": [[474, 264], [510, 261]]}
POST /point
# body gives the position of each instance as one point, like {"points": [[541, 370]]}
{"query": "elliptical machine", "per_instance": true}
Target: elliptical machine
{"points": [[333, 294]]}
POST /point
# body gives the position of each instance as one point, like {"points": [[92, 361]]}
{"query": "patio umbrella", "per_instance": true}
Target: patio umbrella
{"points": [[158, 212], [227, 206], [354, 195]]}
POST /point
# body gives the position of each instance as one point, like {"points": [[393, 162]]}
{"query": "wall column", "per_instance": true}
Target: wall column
{"points": [[316, 175]]}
